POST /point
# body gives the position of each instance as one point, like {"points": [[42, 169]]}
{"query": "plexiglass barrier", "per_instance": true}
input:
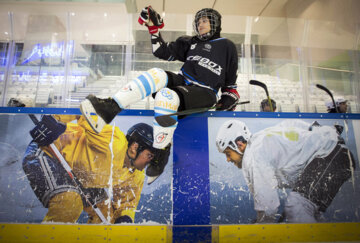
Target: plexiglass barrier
{"points": [[56, 57]]}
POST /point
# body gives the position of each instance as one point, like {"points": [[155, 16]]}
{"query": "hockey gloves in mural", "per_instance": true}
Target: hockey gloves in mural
{"points": [[157, 165], [228, 100], [47, 130], [151, 19], [123, 219]]}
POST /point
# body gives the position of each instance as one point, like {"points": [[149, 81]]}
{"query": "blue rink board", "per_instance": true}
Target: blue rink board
{"points": [[192, 203], [76, 111]]}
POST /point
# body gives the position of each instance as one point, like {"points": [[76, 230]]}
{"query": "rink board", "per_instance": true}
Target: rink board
{"points": [[83, 233], [325, 232], [199, 197]]}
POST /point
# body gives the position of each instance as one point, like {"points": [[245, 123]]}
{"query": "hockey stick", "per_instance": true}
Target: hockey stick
{"points": [[329, 93], [262, 85], [167, 120], [68, 169]]}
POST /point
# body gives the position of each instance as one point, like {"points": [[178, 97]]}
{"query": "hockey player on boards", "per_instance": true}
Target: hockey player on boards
{"points": [[97, 166], [311, 160], [210, 64], [265, 106], [341, 105]]}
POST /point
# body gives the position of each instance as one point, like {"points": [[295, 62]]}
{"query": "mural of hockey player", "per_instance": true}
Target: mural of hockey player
{"points": [[109, 166], [311, 160], [210, 64]]}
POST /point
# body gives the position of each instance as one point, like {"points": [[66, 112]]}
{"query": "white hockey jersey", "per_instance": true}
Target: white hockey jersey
{"points": [[275, 157]]}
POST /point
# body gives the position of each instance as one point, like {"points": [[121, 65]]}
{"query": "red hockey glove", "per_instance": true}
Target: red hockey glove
{"points": [[151, 19], [228, 100]]}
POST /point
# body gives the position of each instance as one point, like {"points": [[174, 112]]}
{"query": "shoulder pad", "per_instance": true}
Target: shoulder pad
{"points": [[185, 38]]}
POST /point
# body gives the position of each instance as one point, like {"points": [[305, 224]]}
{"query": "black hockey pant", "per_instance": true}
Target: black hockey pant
{"points": [[323, 177]]}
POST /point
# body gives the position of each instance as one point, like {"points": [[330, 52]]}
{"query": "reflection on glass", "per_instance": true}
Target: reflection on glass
{"points": [[59, 67]]}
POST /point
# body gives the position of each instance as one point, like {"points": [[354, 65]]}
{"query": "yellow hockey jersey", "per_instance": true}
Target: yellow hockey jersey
{"points": [[97, 160]]}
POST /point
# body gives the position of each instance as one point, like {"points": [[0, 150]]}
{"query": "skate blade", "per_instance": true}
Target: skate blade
{"points": [[88, 110], [151, 179]]}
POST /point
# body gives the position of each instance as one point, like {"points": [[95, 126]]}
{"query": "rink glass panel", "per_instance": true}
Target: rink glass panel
{"points": [[99, 49]]}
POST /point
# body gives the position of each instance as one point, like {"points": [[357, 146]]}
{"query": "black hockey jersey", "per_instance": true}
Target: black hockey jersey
{"points": [[211, 64]]}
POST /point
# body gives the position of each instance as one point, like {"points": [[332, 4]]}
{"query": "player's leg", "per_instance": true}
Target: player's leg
{"points": [[178, 98], [323, 177], [169, 101], [106, 109], [299, 209], [52, 186]]}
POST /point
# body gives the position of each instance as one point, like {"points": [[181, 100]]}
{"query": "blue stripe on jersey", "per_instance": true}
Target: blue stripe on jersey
{"points": [[146, 83], [152, 81], [192, 79], [186, 81], [188, 76], [217, 39]]}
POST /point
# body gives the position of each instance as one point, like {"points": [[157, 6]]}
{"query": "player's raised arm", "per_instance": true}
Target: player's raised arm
{"points": [[171, 51]]}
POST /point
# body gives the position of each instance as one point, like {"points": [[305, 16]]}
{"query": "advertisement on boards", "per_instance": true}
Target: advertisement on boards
{"points": [[97, 178], [283, 170]]}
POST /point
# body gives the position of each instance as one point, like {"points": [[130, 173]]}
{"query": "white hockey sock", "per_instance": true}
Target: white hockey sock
{"points": [[147, 83], [166, 102]]}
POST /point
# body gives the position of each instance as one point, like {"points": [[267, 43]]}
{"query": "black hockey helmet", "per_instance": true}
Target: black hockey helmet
{"points": [[142, 134], [215, 23], [265, 102]]}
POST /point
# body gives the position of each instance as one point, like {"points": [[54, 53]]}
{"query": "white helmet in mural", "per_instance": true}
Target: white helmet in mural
{"points": [[231, 132]]}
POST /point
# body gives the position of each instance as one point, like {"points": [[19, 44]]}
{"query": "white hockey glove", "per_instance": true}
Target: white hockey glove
{"points": [[151, 19], [228, 100]]}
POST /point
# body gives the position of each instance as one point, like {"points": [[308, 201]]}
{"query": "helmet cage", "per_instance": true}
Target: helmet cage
{"points": [[265, 102], [215, 21]]}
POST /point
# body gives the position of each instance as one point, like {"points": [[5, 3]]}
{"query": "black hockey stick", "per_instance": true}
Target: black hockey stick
{"points": [[167, 120], [65, 165], [262, 85], [329, 93]]}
